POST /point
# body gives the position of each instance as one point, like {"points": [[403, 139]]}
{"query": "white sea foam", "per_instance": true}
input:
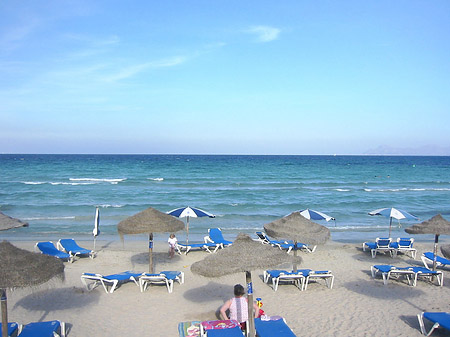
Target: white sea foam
{"points": [[108, 206], [33, 182], [342, 190], [49, 218], [156, 179], [99, 180], [405, 189]]}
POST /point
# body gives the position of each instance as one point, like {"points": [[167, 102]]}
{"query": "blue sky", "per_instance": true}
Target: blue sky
{"points": [[225, 77]]}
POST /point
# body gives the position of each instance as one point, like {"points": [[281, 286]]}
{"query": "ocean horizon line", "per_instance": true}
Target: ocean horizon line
{"points": [[225, 154]]}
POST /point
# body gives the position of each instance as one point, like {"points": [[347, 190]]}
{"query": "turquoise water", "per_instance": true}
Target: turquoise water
{"points": [[57, 194]]}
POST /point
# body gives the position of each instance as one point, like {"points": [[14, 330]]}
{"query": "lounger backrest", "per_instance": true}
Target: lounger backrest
{"points": [[216, 235], [383, 242], [69, 244], [405, 242], [261, 235], [47, 247]]}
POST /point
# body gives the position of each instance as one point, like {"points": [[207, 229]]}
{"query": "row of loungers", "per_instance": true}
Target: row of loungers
{"points": [[111, 282], [36, 329], [215, 240], [301, 277], [411, 273], [387, 245], [65, 249]]}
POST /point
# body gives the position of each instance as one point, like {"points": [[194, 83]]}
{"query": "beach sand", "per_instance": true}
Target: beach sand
{"points": [[356, 306]]}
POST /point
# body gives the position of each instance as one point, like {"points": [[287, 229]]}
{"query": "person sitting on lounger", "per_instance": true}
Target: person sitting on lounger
{"points": [[238, 307]]}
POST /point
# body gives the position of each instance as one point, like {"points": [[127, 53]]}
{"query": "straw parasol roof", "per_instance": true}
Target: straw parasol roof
{"points": [[22, 268], [445, 250], [6, 222], [436, 225], [296, 227], [149, 221], [243, 255]]}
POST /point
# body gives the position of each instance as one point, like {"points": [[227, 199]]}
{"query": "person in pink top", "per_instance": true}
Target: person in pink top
{"points": [[237, 307]]}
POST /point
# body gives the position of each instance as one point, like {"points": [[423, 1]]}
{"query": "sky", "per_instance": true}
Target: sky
{"points": [[225, 77]]}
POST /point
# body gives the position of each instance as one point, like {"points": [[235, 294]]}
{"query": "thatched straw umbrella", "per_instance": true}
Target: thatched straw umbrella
{"points": [[437, 225], [299, 229], [244, 255], [445, 250], [6, 222], [149, 221], [21, 268]]}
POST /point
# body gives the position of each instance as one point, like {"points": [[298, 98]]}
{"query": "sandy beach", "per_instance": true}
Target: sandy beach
{"points": [[356, 306]]}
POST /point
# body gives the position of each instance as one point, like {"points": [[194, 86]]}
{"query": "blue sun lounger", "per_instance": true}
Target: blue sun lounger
{"points": [[411, 273], [207, 246], [283, 275], [71, 247], [381, 245], [440, 320], [164, 277], [271, 328], [215, 236], [289, 245], [109, 281], [13, 327], [263, 238], [48, 248], [428, 259], [43, 329]]}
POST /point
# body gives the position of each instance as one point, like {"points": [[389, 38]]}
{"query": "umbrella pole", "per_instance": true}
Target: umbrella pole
{"points": [[390, 224], [251, 315], [150, 253], [187, 231], [295, 255], [436, 239], [4, 312]]}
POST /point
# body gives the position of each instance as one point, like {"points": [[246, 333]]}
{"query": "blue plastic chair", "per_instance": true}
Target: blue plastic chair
{"points": [[12, 328], [272, 328], [43, 329], [440, 319], [48, 248]]}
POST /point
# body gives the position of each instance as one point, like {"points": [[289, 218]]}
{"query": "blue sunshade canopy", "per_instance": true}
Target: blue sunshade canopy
{"points": [[190, 212], [315, 215], [393, 213]]}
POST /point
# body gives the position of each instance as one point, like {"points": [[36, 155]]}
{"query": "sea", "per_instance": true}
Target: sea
{"points": [[58, 194]]}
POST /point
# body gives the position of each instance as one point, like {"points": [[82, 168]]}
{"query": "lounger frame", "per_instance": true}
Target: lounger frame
{"points": [[436, 325]]}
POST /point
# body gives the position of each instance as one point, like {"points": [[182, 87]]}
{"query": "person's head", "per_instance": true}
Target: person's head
{"points": [[172, 236], [239, 290]]}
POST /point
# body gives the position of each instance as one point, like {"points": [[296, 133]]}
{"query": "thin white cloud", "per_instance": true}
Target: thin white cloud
{"points": [[264, 33], [134, 70]]}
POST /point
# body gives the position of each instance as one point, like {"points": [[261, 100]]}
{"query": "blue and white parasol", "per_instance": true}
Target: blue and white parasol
{"points": [[189, 212], [393, 213]]}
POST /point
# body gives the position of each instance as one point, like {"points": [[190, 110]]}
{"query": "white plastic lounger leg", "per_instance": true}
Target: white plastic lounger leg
{"points": [[266, 276], [422, 325], [373, 252], [275, 281]]}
